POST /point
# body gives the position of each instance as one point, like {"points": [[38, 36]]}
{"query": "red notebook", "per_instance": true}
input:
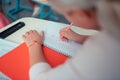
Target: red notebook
{"points": [[15, 64]]}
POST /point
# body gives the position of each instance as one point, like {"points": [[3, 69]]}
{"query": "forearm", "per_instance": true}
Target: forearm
{"points": [[44, 72], [81, 38], [36, 54]]}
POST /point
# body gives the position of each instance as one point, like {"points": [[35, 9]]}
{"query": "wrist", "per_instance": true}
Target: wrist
{"points": [[34, 43], [82, 38]]}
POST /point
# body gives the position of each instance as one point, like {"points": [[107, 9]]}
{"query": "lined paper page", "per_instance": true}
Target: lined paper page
{"points": [[4, 77], [6, 46], [52, 39]]}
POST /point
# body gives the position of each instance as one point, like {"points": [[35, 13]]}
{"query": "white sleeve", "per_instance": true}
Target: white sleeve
{"points": [[83, 31], [37, 69], [97, 60], [42, 71]]}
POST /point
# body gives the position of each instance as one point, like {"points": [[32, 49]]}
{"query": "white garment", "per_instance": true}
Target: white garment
{"points": [[99, 59]]}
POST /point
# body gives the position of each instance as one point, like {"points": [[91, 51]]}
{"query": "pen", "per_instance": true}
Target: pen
{"points": [[68, 27]]}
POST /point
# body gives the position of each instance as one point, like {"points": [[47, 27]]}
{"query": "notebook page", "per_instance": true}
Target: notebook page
{"points": [[52, 39], [6, 46], [4, 77]]}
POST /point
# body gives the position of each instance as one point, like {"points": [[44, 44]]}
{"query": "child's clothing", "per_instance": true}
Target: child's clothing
{"points": [[99, 59]]}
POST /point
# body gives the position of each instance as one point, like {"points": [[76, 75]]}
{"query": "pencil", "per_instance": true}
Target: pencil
{"points": [[68, 27]]}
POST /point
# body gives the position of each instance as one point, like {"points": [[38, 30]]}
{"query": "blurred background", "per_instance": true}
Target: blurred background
{"points": [[12, 10]]}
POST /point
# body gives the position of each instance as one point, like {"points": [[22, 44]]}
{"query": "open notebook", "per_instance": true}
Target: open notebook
{"points": [[52, 39]]}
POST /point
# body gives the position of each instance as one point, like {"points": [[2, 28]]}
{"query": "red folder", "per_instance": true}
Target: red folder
{"points": [[15, 64]]}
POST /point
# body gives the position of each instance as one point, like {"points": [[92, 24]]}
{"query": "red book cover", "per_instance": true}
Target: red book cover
{"points": [[15, 64]]}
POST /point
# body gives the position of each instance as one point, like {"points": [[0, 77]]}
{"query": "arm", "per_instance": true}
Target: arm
{"points": [[42, 71], [34, 42], [36, 54], [39, 68]]}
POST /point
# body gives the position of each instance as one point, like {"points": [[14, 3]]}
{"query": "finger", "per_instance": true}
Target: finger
{"points": [[27, 33], [61, 37], [31, 31], [60, 31], [63, 30], [35, 31], [64, 39], [24, 37], [42, 34], [63, 34], [69, 30]]}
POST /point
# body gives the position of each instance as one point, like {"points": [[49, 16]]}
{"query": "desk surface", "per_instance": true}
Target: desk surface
{"points": [[33, 24], [30, 23]]}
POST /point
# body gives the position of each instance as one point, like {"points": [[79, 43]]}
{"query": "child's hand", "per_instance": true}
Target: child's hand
{"points": [[70, 35], [31, 36]]}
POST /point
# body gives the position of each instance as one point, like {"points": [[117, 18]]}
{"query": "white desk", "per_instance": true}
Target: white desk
{"points": [[32, 24]]}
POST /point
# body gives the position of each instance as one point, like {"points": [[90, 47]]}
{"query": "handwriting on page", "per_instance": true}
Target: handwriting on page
{"points": [[52, 39]]}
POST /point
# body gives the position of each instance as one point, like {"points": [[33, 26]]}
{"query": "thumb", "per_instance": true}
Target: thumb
{"points": [[42, 33], [65, 34]]}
